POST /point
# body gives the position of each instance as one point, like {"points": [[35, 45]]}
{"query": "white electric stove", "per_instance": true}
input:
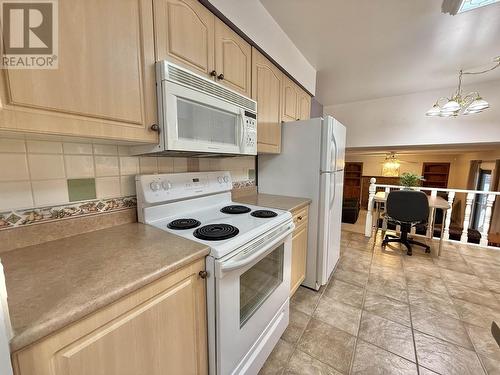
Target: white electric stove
{"points": [[248, 268]]}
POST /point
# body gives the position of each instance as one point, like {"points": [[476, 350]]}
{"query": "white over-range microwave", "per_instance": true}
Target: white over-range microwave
{"points": [[198, 116]]}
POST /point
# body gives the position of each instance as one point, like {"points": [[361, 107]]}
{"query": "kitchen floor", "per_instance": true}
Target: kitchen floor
{"points": [[384, 312]]}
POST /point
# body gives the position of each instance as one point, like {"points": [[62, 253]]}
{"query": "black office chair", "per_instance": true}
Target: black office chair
{"points": [[406, 208]]}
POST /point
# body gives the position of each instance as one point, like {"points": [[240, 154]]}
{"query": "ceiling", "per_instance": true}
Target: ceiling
{"points": [[364, 49]]}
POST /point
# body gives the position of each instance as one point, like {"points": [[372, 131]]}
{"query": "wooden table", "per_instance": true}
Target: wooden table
{"points": [[435, 203]]}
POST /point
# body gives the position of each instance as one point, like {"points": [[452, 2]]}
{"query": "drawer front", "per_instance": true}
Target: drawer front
{"points": [[300, 218]]}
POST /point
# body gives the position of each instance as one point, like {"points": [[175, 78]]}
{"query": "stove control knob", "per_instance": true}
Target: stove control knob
{"points": [[166, 185], [226, 179], [155, 186], [220, 179]]}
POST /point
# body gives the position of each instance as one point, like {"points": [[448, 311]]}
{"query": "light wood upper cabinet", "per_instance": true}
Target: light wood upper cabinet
{"points": [[233, 59], [104, 86], [266, 90], [160, 329], [299, 248], [304, 105], [289, 107], [184, 34]]}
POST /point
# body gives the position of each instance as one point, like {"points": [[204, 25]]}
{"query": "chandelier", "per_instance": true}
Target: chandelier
{"points": [[390, 167], [461, 103]]}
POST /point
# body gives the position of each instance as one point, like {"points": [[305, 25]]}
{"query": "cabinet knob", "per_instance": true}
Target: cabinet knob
{"points": [[213, 73], [203, 274], [155, 128], [220, 76]]}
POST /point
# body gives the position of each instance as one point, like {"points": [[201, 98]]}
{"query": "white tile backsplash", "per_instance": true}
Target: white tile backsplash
{"points": [[14, 167], [77, 148], [105, 150], [108, 187], [34, 173], [12, 145], [46, 166], [129, 165], [79, 166], [127, 184], [48, 192], [106, 166], [15, 195], [44, 147]]}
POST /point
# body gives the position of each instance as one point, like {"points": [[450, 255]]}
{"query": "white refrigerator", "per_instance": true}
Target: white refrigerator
{"points": [[311, 165]]}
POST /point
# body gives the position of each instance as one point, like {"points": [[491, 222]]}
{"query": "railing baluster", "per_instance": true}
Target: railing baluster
{"points": [[468, 210], [487, 219], [369, 214], [446, 235]]}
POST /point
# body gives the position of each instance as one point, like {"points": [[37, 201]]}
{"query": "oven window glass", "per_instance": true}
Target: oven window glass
{"points": [[198, 122], [257, 283]]}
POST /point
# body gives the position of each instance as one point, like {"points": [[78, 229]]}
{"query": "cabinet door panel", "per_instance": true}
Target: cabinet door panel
{"points": [[105, 80], [290, 100], [266, 90], [304, 105], [184, 34], [299, 254], [233, 58]]}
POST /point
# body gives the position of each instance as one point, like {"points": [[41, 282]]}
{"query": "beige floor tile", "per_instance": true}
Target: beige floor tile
{"points": [[328, 344], [355, 265], [428, 268], [345, 292], [303, 364], [439, 303], [476, 314], [454, 265], [484, 342], [338, 314], [370, 360], [388, 308], [351, 277], [426, 283], [278, 359], [440, 325], [446, 358], [424, 371], [305, 300], [296, 326], [460, 277], [479, 296], [492, 285], [396, 276], [492, 367], [388, 335], [387, 287]]}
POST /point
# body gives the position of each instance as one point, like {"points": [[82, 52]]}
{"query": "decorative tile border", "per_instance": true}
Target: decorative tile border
{"points": [[243, 184], [40, 215]]}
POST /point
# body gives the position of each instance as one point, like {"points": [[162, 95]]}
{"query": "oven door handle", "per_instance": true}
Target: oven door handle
{"points": [[231, 265]]}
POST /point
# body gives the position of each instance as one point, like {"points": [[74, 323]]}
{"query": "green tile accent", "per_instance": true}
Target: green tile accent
{"points": [[251, 174], [80, 189]]}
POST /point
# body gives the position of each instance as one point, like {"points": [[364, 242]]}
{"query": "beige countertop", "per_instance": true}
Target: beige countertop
{"points": [[56, 283], [275, 201]]}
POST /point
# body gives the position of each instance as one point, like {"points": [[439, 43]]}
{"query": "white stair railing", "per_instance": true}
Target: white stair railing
{"points": [[470, 196]]}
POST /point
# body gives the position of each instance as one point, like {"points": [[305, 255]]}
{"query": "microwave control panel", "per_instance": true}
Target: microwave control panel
{"points": [[250, 140]]}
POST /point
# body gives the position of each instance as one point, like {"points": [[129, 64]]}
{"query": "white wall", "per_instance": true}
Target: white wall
{"points": [[401, 120], [251, 17]]}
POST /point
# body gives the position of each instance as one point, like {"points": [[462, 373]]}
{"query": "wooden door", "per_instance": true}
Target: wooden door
{"points": [[299, 249], [290, 94], [158, 330], [104, 86], [184, 34], [304, 105], [233, 59], [266, 90]]}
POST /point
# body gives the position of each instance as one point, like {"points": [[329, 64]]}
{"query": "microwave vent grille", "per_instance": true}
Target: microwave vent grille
{"points": [[192, 80]]}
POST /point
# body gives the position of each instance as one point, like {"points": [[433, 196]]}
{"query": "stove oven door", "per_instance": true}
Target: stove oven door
{"points": [[252, 290]]}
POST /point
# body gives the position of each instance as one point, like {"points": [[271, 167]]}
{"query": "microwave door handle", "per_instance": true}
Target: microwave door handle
{"points": [[231, 265], [243, 131]]}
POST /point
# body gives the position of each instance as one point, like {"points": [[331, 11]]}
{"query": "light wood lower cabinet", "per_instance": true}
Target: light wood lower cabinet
{"points": [[104, 86], [266, 90], [299, 248], [160, 329]]}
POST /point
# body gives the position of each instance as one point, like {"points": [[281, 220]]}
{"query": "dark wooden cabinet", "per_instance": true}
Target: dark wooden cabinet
{"points": [[435, 175], [353, 173]]}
